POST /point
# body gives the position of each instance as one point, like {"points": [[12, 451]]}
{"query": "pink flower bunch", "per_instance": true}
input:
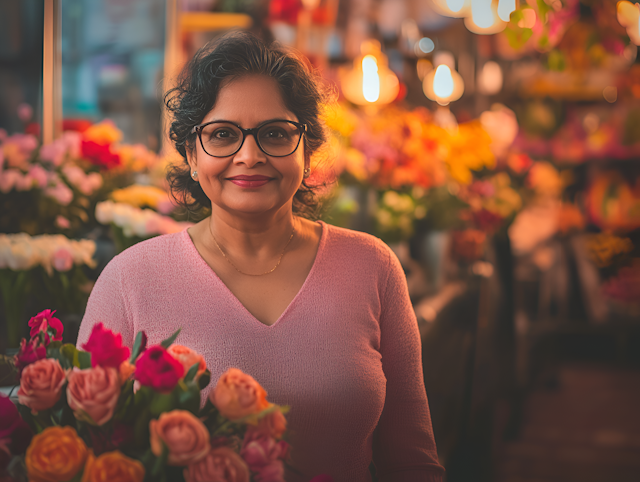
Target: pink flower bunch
{"points": [[45, 322]]}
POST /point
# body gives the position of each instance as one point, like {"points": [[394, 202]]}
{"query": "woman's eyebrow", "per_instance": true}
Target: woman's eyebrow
{"points": [[258, 124]]}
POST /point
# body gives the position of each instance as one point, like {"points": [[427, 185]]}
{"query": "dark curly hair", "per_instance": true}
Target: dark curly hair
{"points": [[227, 58]]}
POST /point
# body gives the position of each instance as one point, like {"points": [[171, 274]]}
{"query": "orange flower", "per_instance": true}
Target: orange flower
{"points": [[55, 454], [125, 371], [112, 467], [237, 395], [184, 435], [187, 357]]}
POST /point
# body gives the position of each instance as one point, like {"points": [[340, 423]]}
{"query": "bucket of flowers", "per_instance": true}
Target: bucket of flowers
{"points": [[107, 412]]}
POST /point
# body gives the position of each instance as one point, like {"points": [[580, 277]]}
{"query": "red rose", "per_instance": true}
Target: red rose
{"points": [[15, 434], [158, 369], [100, 154], [45, 320], [106, 347], [30, 351]]}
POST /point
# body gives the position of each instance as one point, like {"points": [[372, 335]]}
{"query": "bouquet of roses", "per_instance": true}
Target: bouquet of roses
{"points": [[110, 413]]}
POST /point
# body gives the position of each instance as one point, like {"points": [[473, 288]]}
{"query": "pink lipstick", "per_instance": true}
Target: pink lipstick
{"points": [[249, 181]]}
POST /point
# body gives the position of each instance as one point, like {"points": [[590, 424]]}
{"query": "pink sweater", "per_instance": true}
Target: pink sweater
{"points": [[345, 355]]}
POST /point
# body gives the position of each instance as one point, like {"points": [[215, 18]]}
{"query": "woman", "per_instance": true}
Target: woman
{"points": [[320, 316]]}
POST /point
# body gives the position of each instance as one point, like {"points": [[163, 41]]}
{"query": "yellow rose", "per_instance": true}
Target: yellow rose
{"points": [[113, 467], [104, 132], [56, 454]]}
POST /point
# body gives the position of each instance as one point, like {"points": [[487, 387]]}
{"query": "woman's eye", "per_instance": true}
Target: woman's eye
{"points": [[274, 133], [222, 134]]}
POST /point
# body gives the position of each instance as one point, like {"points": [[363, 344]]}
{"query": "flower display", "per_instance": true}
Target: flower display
{"points": [[183, 434], [15, 434], [106, 347], [158, 369], [57, 453], [93, 393], [44, 321], [112, 467], [140, 196], [136, 415], [136, 222], [41, 384], [220, 463], [237, 395]]}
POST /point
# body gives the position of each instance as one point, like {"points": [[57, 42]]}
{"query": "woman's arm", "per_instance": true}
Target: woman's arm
{"points": [[108, 304], [404, 449]]}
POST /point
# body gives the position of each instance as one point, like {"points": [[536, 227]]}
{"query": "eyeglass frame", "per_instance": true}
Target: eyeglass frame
{"points": [[197, 129]]}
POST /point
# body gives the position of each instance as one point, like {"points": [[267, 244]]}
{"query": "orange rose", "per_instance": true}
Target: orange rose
{"points": [[273, 424], [220, 464], [187, 357], [237, 395], [112, 467], [183, 433], [41, 384], [55, 454]]}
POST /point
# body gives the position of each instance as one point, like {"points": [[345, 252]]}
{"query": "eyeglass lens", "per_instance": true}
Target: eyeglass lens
{"points": [[222, 139]]}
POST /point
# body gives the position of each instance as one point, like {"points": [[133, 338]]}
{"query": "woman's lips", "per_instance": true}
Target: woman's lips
{"points": [[249, 181]]}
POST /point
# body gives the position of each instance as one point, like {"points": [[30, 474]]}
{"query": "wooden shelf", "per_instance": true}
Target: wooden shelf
{"points": [[208, 21]]}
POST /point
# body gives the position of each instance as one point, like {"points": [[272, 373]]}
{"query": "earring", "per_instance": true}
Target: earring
{"points": [[306, 172], [194, 175]]}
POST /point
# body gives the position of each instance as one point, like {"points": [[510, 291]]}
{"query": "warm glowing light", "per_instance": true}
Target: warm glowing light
{"points": [[370, 79], [426, 45], [490, 78], [481, 13], [455, 5], [505, 8], [629, 18], [484, 18], [443, 82], [610, 94]]}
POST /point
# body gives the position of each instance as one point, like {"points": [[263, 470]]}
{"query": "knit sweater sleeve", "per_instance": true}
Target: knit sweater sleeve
{"points": [[108, 304], [404, 449]]}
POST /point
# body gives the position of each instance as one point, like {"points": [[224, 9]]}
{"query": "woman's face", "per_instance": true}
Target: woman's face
{"points": [[249, 181]]}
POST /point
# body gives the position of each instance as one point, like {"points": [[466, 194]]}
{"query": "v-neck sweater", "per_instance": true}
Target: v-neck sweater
{"points": [[344, 355]]}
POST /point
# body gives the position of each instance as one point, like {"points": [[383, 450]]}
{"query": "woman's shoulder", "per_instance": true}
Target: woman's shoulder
{"points": [[156, 250], [357, 244]]}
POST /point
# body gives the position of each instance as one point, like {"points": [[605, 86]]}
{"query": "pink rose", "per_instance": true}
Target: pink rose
{"points": [[30, 351], [45, 320], [264, 455], [184, 435], [41, 384], [62, 260], [157, 369], [94, 393], [62, 222], [237, 395], [106, 347], [220, 465]]}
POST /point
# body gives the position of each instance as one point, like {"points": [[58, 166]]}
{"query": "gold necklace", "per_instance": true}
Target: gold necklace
{"points": [[249, 274]]}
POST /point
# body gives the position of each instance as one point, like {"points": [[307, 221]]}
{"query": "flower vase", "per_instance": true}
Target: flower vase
{"points": [[14, 288]]}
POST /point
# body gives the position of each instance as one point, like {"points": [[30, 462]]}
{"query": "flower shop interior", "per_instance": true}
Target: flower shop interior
{"points": [[493, 144]]}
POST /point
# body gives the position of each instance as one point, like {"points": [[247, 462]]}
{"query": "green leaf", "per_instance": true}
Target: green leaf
{"points": [[84, 359], [162, 403], [191, 373], [136, 346], [68, 351], [158, 466], [167, 343], [190, 399], [204, 379]]}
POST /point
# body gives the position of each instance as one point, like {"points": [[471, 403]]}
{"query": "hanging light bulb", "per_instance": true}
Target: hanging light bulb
{"points": [[452, 8], [490, 78], [370, 81], [484, 18], [629, 18], [443, 85], [505, 9]]}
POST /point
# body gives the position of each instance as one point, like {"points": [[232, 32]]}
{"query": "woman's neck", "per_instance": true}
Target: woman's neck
{"points": [[256, 238]]}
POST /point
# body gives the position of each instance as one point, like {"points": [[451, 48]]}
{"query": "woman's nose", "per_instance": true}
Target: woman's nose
{"points": [[250, 154]]}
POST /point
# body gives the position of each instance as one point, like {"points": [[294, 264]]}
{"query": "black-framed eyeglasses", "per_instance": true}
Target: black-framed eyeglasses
{"points": [[276, 138]]}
